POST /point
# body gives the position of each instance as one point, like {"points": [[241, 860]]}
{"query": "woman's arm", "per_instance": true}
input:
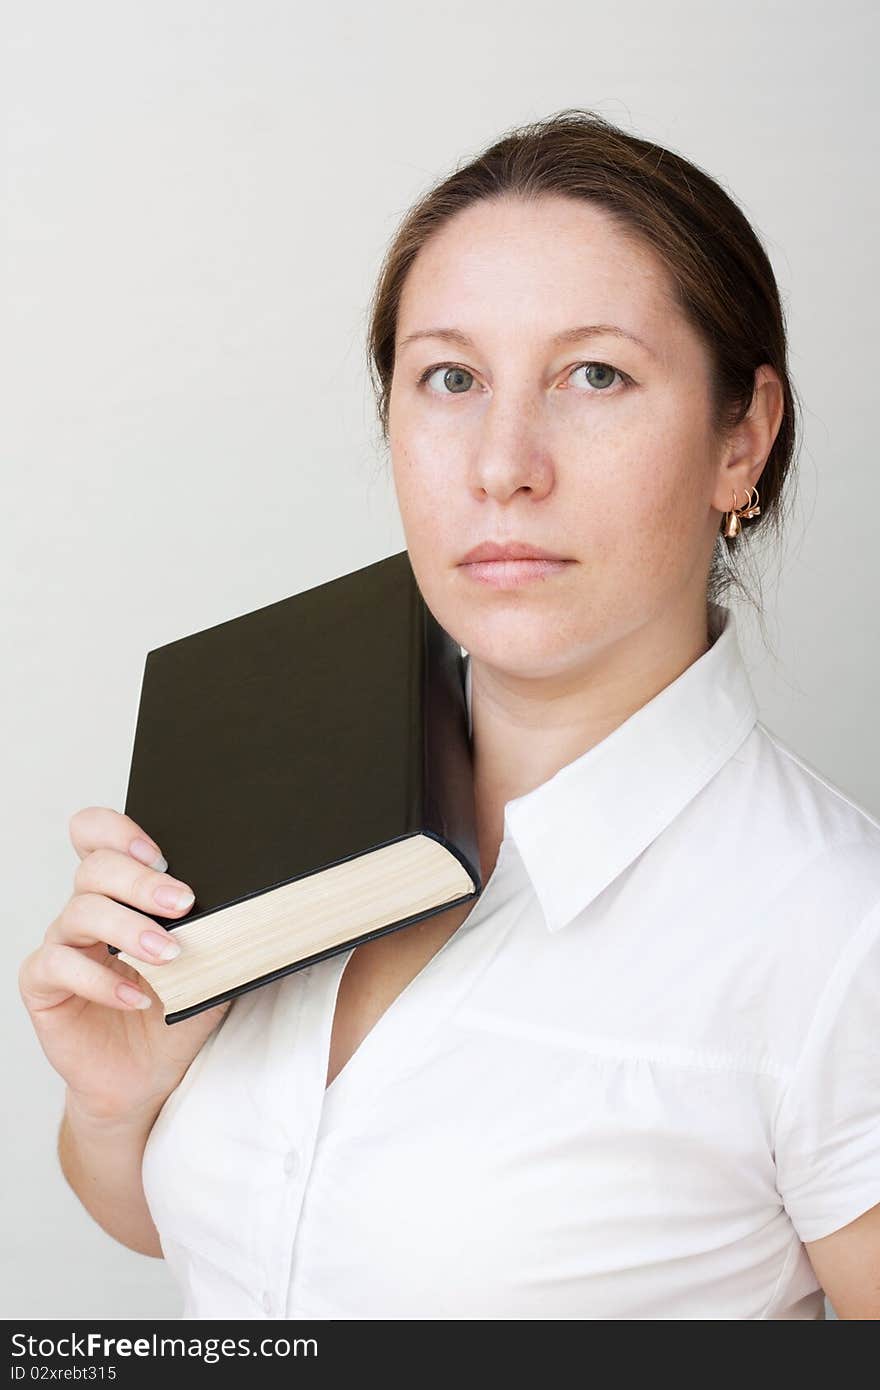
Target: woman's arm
{"points": [[101, 1160], [847, 1265]]}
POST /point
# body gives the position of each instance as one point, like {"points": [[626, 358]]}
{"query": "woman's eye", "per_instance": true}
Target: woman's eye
{"points": [[456, 379], [599, 375]]}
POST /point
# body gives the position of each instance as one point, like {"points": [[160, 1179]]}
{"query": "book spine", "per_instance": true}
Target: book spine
{"points": [[414, 752], [445, 762]]}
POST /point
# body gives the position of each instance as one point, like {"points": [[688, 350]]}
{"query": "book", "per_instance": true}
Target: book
{"points": [[306, 769]]}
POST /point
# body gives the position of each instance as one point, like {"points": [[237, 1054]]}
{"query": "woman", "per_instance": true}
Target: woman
{"points": [[636, 1079]]}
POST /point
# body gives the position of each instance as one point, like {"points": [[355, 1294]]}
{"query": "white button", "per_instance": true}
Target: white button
{"points": [[267, 1300], [291, 1162]]}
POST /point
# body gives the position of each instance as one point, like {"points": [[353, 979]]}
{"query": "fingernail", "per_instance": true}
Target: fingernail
{"points": [[166, 895], [148, 854], [159, 944], [129, 995]]}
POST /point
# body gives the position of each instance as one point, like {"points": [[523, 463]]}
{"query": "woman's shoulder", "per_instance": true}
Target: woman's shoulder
{"points": [[814, 846], [809, 804]]}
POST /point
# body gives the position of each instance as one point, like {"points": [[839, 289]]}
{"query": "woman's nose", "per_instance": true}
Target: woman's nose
{"points": [[509, 452]]}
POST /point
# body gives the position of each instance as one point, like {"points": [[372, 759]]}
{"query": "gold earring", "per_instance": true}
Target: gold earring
{"points": [[731, 524]]}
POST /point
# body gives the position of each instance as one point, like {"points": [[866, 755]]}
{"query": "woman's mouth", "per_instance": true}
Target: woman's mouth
{"points": [[511, 574]]}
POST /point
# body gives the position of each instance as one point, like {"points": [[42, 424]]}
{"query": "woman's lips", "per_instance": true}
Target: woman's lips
{"points": [[510, 574]]}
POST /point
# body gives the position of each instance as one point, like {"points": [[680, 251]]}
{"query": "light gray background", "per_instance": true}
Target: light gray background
{"points": [[199, 196]]}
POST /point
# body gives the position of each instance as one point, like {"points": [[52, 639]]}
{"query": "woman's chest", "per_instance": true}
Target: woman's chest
{"points": [[504, 1175], [376, 973], [510, 1139]]}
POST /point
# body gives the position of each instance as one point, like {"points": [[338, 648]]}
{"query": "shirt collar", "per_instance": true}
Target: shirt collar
{"points": [[583, 826]]}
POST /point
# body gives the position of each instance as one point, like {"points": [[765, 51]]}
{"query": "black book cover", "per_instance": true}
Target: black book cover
{"points": [[302, 734]]}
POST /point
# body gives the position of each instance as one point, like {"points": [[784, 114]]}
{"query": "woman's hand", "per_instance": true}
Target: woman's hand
{"points": [[120, 1061]]}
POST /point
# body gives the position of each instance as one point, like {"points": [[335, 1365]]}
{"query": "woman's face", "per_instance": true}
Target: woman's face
{"points": [[597, 450]]}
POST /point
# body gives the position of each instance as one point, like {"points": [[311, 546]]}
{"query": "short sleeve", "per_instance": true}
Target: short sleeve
{"points": [[827, 1143]]}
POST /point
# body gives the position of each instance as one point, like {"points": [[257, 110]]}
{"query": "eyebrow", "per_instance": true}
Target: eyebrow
{"points": [[568, 335]]}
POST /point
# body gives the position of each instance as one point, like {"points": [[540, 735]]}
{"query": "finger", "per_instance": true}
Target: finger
{"points": [[95, 827], [55, 972], [89, 918], [116, 875]]}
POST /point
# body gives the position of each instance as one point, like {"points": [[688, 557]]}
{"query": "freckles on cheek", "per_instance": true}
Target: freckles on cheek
{"points": [[422, 491], [628, 531], [415, 452], [403, 457]]}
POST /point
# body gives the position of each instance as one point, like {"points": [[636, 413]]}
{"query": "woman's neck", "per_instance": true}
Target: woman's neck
{"points": [[525, 730]]}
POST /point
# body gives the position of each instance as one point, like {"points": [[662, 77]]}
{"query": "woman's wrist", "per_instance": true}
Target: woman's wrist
{"points": [[83, 1117]]}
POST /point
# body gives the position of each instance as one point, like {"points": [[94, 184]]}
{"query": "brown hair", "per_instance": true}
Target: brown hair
{"points": [[723, 281]]}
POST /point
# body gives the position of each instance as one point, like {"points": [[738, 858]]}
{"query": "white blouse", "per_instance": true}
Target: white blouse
{"points": [[639, 1075]]}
